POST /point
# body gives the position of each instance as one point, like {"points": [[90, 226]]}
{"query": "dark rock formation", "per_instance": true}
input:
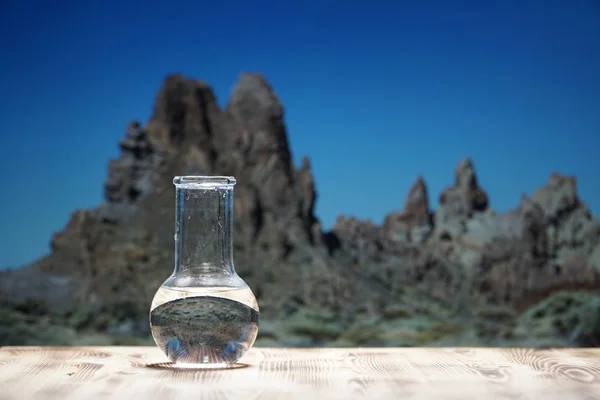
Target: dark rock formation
{"points": [[414, 223], [122, 250], [460, 201], [416, 280], [129, 177]]}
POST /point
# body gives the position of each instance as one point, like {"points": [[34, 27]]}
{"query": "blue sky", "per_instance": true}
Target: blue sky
{"points": [[375, 92]]}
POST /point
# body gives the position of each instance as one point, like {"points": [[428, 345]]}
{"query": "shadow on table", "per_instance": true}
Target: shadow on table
{"points": [[168, 366]]}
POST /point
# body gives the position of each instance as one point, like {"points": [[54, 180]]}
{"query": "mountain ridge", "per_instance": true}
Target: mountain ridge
{"points": [[424, 276]]}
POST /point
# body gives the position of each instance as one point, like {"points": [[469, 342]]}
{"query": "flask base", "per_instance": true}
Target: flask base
{"points": [[206, 366]]}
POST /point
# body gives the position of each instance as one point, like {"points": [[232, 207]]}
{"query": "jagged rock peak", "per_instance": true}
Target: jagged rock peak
{"points": [[305, 164], [465, 189], [255, 93], [184, 109], [464, 174], [308, 199], [255, 116], [458, 202], [414, 222], [308, 192], [557, 196], [529, 209], [129, 176], [417, 200], [133, 130], [178, 89]]}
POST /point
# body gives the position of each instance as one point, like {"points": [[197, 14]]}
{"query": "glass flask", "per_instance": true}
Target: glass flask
{"points": [[204, 314]]}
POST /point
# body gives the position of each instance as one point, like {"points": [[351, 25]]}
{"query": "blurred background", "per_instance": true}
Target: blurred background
{"points": [[409, 173]]}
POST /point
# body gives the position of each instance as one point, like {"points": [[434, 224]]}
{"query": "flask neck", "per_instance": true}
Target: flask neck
{"points": [[203, 241]]}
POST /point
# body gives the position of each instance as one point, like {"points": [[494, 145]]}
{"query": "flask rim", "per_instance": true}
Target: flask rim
{"points": [[205, 181]]}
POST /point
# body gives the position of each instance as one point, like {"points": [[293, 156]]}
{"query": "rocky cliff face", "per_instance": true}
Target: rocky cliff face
{"points": [[459, 274]]}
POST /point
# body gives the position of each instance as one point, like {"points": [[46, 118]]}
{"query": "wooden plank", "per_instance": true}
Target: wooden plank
{"points": [[380, 373]]}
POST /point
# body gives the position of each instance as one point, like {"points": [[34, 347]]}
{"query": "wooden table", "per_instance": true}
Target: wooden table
{"points": [[399, 373]]}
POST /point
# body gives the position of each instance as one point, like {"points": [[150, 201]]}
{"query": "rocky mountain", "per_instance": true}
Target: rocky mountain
{"points": [[460, 274]]}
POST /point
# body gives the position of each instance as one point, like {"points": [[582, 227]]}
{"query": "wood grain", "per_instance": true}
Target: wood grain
{"points": [[398, 373]]}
